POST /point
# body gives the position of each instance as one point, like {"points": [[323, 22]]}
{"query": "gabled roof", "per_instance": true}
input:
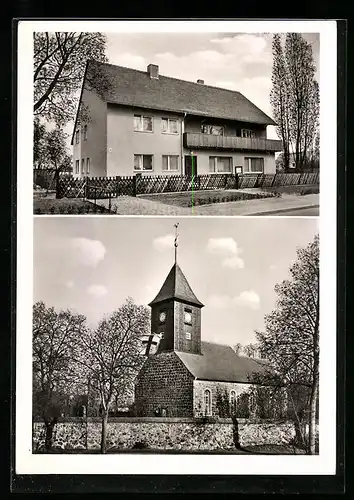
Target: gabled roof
{"points": [[131, 87], [221, 363], [177, 287]]}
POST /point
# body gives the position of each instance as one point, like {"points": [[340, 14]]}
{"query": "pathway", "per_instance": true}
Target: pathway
{"points": [[128, 205]]}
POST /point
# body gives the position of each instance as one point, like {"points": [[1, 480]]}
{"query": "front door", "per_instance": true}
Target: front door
{"points": [[190, 166]]}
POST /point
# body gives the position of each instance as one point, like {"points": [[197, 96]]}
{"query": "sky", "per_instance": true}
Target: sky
{"points": [[92, 264], [236, 61]]}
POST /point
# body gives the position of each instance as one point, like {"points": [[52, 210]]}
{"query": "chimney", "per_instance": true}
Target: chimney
{"points": [[200, 81], [153, 71]]}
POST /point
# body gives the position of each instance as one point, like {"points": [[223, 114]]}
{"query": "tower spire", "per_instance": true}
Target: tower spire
{"points": [[176, 240]]}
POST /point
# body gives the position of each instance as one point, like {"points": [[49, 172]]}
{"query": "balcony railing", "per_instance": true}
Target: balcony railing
{"points": [[192, 140]]}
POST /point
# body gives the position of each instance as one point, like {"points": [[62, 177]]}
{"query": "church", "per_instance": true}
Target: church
{"points": [[186, 376]]}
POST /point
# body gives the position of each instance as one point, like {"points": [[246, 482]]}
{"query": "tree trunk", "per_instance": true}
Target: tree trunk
{"points": [[104, 431], [312, 417], [49, 428]]}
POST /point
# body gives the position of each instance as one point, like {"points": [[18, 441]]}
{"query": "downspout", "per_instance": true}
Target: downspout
{"points": [[182, 131]]}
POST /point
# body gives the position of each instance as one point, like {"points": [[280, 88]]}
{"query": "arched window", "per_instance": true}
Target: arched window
{"points": [[232, 402], [207, 402]]}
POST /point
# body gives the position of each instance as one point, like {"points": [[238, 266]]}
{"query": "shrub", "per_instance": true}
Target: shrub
{"points": [[140, 445], [37, 211]]}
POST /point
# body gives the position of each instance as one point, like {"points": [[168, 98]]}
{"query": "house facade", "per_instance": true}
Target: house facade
{"points": [[187, 377], [135, 122]]}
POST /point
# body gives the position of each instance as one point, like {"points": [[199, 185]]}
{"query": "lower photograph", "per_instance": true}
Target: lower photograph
{"points": [[164, 335]]}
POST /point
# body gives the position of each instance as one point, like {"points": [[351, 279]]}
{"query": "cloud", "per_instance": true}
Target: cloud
{"points": [[88, 252], [69, 284], [227, 248], [248, 298], [97, 290], [234, 262], [129, 60], [222, 246], [164, 242]]}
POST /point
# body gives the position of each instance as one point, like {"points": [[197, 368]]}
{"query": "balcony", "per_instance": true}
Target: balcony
{"points": [[196, 141]]}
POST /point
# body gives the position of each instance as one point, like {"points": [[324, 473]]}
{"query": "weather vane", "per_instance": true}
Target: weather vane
{"points": [[176, 240]]}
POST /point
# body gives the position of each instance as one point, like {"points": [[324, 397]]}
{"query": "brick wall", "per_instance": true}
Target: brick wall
{"points": [[155, 388], [181, 328]]}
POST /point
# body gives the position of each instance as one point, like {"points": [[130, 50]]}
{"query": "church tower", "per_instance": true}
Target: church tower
{"points": [[176, 313]]}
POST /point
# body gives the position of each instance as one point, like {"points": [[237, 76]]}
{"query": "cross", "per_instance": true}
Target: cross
{"points": [[176, 240], [149, 343]]}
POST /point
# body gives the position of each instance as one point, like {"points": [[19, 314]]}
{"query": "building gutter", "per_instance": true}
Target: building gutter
{"points": [[182, 131]]}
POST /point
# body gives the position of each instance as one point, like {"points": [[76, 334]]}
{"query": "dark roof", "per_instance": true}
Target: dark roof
{"points": [[221, 363], [131, 87], [176, 286]]}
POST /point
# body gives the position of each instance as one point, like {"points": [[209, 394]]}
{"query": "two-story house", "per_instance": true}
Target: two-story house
{"points": [[133, 122]]}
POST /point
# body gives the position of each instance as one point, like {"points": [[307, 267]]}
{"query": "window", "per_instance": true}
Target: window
{"points": [[207, 402], [142, 123], [83, 166], [232, 402], [77, 167], [88, 166], [254, 165], [85, 132], [220, 164], [188, 335], [77, 136], [170, 162], [248, 133], [142, 162], [169, 126], [212, 129], [188, 316]]}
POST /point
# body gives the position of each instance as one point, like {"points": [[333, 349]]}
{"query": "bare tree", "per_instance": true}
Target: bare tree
{"points": [[55, 337], [59, 64], [111, 356], [303, 95], [295, 98], [291, 337], [279, 98], [251, 350]]}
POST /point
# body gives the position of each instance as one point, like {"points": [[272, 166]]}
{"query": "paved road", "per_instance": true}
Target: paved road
{"points": [[300, 212]]}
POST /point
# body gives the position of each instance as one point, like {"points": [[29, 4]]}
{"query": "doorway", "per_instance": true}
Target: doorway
{"points": [[190, 166]]}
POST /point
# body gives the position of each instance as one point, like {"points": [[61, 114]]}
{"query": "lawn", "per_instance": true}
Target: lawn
{"points": [[297, 190], [195, 198], [51, 205]]}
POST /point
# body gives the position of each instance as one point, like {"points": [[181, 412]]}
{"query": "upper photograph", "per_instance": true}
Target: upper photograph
{"points": [[176, 124]]}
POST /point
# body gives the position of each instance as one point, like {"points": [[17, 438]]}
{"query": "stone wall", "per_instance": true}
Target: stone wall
{"points": [[155, 388], [163, 434]]}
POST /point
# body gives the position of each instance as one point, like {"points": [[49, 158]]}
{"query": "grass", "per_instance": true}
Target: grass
{"points": [[195, 198], [50, 205], [297, 190]]}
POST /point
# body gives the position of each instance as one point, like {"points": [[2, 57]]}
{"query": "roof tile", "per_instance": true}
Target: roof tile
{"points": [[220, 363], [131, 87]]}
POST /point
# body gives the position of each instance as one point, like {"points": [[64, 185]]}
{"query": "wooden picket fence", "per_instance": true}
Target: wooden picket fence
{"points": [[112, 187]]}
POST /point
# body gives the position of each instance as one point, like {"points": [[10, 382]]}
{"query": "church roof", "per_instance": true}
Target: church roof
{"points": [[176, 286], [221, 363]]}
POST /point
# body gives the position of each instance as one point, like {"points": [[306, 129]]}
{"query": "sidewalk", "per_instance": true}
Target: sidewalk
{"points": [[128, 205]]}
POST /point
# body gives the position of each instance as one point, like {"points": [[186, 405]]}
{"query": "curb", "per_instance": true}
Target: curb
{"points": [[284, 210]]}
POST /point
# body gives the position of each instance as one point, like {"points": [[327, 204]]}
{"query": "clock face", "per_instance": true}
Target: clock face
{"points": [[187, 317], [162, 317]]}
